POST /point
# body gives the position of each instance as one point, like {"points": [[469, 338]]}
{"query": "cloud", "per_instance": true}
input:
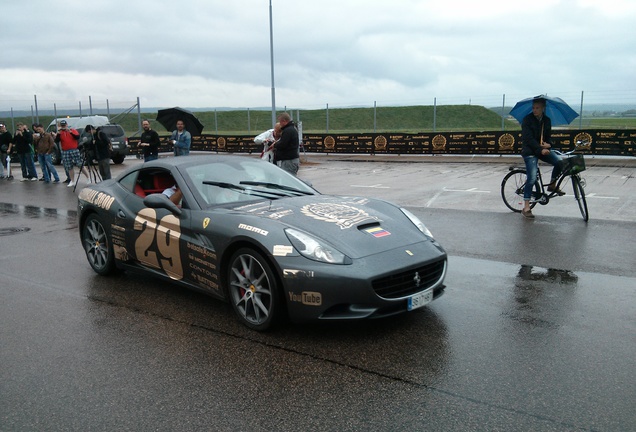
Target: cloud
{"points": [[201, 53]]}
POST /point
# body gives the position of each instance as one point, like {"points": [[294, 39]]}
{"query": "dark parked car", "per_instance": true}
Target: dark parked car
{"points": [[261, 239]]}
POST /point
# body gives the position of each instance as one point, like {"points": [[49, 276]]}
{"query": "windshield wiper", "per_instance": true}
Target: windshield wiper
{"points": [[243, 190], [276, 186]]}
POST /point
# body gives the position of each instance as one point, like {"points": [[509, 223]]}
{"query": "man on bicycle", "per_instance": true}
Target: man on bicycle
{"points": [[536, 130]]}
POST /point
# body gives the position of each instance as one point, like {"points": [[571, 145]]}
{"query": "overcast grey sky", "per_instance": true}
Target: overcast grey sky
{"points": [[213, 53]]}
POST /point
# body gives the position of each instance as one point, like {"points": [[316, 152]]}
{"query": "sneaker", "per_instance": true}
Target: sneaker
{"points": [[71, 184], [42, 179], [24, 179], [56, 181], [527, 214], [34, 179], [67, 181]]}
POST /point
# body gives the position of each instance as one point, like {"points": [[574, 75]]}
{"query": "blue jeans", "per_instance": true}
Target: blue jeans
{"points": [[27, 165], [46, 165], [150, 158], [178, 151], [532, 167]]}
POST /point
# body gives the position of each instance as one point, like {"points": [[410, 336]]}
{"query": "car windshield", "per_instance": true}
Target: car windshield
{"points": [[113, 131], [243, 179]]}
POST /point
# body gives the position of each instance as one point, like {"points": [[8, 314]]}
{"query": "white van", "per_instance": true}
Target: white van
{"points": [[79, 123]]}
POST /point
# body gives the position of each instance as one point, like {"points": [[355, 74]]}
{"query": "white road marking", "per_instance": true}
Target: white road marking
{"points": [[473, 190], [593, 195], [377, 186]]}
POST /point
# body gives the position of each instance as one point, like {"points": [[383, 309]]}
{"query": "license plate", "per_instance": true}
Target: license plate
{"points": [[420, 299]]}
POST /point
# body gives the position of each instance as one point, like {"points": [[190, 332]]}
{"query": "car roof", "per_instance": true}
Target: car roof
{"points": [[81, 122]]}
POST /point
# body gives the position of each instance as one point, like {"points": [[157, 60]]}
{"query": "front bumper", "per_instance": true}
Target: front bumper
{"points": [[317, 291]]}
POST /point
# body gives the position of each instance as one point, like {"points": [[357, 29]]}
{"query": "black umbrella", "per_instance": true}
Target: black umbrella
{"points": [[168, 118]]}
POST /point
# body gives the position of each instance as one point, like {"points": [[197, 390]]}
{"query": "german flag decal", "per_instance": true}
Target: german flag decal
{"points": [[378, 232]]}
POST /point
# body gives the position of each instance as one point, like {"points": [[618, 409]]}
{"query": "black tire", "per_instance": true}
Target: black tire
{"points": [[118, 159], [56, 157], [98, 247], [579, 194], [512, 190], [253, 290]]}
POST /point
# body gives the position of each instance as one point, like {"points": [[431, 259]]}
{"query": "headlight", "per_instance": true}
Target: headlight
{"points": [[417, 222], [314, 249]]}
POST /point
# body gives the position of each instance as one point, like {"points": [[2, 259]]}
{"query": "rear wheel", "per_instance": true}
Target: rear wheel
{"points": [[56, 157], [579, 194], [117, 159], [253, 290], [99, 250], [512, 190]]}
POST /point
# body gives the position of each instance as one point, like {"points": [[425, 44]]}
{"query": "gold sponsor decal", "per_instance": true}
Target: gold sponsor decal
{"points": [[99, 199], [506, 142], [380, 143], [344, 216], [439, 142]]}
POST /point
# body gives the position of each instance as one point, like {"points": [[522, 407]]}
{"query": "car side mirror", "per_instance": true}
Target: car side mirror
{"points": [[158, 200]]}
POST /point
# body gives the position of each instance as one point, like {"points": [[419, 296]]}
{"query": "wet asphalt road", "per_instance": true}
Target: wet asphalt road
{"points": [[536, 330]]}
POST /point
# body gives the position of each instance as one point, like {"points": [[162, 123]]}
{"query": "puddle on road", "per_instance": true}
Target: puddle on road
{"points": [[33, 212]]}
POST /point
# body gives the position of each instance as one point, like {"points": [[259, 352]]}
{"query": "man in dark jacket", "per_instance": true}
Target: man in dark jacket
{"points": [[23, 142], [5, 141], [286, 149], [536, 131], [149, 142], [101, 144]]}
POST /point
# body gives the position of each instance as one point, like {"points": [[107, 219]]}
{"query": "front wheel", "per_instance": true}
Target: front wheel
{"points": [[253, 290], [99, 250], [579, 194], [512, 190]]}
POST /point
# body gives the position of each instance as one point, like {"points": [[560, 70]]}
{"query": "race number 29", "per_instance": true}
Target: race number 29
{"points": [[158, 244]]}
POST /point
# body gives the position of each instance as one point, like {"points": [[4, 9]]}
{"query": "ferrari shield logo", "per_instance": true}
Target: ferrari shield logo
{"points": [[206, 221]]}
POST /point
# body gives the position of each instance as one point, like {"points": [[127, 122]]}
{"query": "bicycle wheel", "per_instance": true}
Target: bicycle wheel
{"points": [[512, 190], [579, 194]]}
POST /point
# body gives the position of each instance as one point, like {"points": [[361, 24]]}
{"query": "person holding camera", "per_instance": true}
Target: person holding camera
{"points": [[68, 139], [101, 147], [23, 141]]}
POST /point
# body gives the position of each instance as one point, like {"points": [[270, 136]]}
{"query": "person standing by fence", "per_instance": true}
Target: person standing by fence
{"points": [[287, 148], [45, 145], [181, 139]]}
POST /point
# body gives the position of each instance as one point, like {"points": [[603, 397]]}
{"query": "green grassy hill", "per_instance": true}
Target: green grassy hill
{"points": [[409, 119]]}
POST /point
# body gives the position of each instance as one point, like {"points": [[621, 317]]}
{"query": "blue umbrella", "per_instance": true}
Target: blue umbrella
{"points": [[559, 112]]}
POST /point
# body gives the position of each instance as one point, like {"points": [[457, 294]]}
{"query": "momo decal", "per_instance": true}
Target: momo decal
{"points": [[344, 216], [253, 229]]}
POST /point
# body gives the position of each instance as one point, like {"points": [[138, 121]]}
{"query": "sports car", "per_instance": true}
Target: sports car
{"points": [[247, 232]]}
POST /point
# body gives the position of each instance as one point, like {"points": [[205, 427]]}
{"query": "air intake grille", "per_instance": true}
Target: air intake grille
{"points": [[409, 282]]}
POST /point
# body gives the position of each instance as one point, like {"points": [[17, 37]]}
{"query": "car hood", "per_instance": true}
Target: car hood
{"points": [[356, 226]]}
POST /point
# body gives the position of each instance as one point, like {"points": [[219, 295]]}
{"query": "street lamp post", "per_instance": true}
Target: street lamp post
{"points": [[271, 60]]}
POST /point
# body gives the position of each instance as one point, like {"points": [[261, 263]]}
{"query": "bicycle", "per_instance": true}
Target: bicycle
{"points": [[514, 182]]}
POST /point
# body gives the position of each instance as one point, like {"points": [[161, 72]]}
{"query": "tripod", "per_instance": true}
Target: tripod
{"points": [[87, 161]]}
